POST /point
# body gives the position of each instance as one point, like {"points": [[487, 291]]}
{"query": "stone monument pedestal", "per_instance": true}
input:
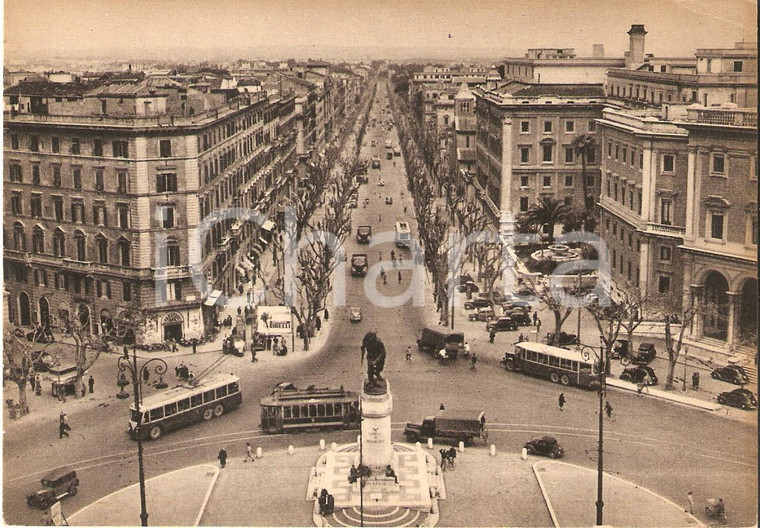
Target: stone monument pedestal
{"points": [[376, 407]]}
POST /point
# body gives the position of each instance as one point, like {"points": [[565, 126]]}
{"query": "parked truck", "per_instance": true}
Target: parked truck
{"points": [[454, 426], [359, 265], [433, 340]]}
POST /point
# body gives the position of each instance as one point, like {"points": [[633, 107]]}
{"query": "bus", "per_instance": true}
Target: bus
{"points": [[185, 405], [289, 409], [559, 365], [403, 234]]}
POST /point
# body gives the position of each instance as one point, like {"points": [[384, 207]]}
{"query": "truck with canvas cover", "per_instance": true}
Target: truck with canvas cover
{"points": [[454, 426]]}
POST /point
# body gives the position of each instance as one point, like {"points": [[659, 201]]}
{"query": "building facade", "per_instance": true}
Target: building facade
{"points": [[119, 196]]}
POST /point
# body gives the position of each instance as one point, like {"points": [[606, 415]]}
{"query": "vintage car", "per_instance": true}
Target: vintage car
{"points": [[639, 374], [482, 314], [56, 485], [477, 303], [729, 374], [355, 314], [544, 446], [739, 398], [502, 324], [389, 200]]}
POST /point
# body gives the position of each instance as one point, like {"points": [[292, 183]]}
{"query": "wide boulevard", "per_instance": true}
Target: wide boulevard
{"points": [[667, 448]]}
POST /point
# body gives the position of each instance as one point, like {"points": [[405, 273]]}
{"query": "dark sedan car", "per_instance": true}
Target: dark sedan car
{"points": [[639, 374], [564, 339], [469, 285], [729, 374], [742, 372], [545, 446], [477, 303], [502, 324], [739, 398], [520, 317]]}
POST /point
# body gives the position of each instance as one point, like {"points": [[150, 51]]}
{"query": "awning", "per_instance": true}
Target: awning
{"points": [[246, 263], [257, 249], [268, 225], [212, 298], [240, 269]]}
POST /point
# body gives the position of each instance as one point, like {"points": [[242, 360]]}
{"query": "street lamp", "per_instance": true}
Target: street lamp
{"points": [[587, 352], [137, 375]]}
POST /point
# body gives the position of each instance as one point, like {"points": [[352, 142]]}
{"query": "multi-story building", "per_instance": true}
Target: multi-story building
{"points": [[712, 77], [525, 135], [559, 65], [642, 202], [115, 194], [719, 251], [465, 128]]}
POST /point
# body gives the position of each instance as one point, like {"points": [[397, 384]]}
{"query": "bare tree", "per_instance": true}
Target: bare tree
{"points": [[87, 349], [18, 363], [554, 301], [609, 318]]}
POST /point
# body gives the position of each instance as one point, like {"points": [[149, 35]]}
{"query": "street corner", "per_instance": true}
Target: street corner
{"points": [[570, 493], [177, 498]]}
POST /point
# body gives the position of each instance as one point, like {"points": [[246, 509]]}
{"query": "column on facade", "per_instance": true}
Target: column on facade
{"points": [[505, 190], [734, 306], [697, 296]]}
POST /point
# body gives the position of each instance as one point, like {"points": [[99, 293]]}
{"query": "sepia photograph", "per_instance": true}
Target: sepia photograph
{"points": [[380, 263]]}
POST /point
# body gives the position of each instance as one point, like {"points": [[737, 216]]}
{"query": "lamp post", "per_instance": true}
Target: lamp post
{"points": [[137, 375], [587, 352]]}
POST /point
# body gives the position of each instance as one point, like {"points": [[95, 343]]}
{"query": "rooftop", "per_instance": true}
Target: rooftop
{"points": [[561, 90], [51, 89]]}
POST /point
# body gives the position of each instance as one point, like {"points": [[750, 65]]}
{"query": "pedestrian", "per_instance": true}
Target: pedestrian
{"points": [[491, 336], [561, 400], [535, 318], [248, 452], [690, 502], [253, 352], [269, 342], [466, 349], [239, 311], [695, 381], [38, 389], [327, 314], [404, 209], [91, 384], [608, 409], [63, 425], [379, 218], [222, 456], [399, 276], [393, 255], [408, 354], [382, 272], [146, 375], [385, 279], [379, 255], [442, 407], [276, 344], [318, 323], [195, 345], [473, 361], [32, 381], [225, 346], [521, 338]]}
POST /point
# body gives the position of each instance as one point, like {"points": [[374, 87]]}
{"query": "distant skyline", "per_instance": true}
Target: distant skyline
{"points": [[193, 29]]}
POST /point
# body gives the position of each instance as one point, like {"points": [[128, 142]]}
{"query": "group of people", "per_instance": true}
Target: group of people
{"points": [[448, 456], [182, 372], [354, 474], [326, 503]]}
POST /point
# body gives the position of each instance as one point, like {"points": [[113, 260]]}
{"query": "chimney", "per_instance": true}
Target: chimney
{"points": [[637, 35], [598, 51]]}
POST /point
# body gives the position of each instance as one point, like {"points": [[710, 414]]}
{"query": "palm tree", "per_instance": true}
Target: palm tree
{"points": [[547, 211], [582, 145]]}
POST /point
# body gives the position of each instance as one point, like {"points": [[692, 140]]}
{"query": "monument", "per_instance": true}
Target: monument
{"points": [[375, 481]]}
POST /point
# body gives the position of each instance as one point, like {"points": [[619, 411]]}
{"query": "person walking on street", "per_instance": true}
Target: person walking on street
{"points": [[561, 400], [91, 384], [695, 381], [393, 255], [318, 323], [608, 409], [195, 345], [399, 276], [408, 354], [63, 425], [38, 388], [327, 315], [491, 336], [535, 318], [222, 456], [690, 502], [442, 407], [248, 452], [473, 361]]}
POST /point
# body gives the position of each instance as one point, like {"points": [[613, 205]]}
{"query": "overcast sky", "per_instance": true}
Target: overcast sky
{"points": [[676, 27]]}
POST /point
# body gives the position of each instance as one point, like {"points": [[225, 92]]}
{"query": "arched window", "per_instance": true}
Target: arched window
{"points": [[81, 246], [102, 243], [38, 240], [59, 243], [19, 237], [125, 252]]}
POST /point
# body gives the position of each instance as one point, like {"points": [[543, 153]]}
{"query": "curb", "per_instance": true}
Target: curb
{"points": [[609, 475], [202, 509], [662, 395], [545, 494]]}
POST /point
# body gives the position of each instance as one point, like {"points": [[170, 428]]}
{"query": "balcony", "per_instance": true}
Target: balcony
{"points": [[723, 116], [668, 230]]}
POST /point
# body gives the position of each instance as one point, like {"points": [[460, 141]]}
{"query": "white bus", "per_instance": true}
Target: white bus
{"points": [[559, 365], [185, 405], [403, 234]]}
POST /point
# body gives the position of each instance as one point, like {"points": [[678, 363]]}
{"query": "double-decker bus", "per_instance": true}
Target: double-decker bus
{"points": [[403, 234], [292, 409], [185, 405], [559, 365]]}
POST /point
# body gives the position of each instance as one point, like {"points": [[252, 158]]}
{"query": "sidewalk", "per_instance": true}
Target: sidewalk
{"points": [[570, 494], [178, 498], [272, 491]]}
